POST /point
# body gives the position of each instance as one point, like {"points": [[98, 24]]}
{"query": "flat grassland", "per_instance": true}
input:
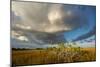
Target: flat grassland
{"points": [[51, 56]]}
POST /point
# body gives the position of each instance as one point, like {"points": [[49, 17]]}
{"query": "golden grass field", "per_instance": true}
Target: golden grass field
{"points": [[51, 56]]}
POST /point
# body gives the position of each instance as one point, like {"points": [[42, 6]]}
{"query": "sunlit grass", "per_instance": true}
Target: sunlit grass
{"points": [[60, 54]]}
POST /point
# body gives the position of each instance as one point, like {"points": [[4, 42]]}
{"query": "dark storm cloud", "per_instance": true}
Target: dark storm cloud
{"points": [[41, 38], [45, 17], [44, 23]]}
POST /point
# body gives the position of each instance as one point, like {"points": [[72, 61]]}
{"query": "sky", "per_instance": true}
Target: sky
{"points": [[40, 25]]}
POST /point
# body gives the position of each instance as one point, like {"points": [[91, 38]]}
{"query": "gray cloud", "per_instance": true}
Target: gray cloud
{"points": [[41, 38], [44, 23], [46, 17]]}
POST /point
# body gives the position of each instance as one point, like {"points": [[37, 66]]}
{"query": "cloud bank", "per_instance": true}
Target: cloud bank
{"points": [[43, 23], [46, 17]]}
